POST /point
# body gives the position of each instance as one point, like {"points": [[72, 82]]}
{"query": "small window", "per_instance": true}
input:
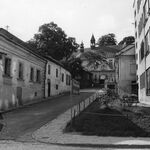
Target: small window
{"points": [[142, 81], [49, 69], [38, 76], [62, 77], [56, 72], [20, 71], [56, 86], [7, 69], [148, 81], [32, 74], [142, 51]]}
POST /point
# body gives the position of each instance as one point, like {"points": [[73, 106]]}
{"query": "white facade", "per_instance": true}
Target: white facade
{"points": [[26, 77], [142, 46], [126, 71], [16, 86], [56, 77]]}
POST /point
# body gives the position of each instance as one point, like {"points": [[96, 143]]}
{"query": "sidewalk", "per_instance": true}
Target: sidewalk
{"points": [[53, 133]]}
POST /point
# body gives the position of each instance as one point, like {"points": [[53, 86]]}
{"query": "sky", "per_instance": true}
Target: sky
{"points": [[78, 18]]}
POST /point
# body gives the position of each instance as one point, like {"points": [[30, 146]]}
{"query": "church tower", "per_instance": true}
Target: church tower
{"points": [[81, 47], [92, 42]]}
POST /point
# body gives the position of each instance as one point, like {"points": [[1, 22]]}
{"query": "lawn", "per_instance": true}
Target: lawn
{"points": [[131, 121]]}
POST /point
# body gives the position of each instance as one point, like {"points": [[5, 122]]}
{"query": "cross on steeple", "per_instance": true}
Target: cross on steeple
{"points": [[7, 27]]}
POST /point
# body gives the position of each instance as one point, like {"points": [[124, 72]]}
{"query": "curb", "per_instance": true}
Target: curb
{"points": [[33, 103], [99, 145]]}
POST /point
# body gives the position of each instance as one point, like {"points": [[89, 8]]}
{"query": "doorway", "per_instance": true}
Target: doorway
{"points": [[49, 87], [19, 95]]}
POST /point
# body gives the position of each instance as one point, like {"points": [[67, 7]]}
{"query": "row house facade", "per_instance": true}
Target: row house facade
{"points": [[142, 47], [125, 65], [26, 77]]}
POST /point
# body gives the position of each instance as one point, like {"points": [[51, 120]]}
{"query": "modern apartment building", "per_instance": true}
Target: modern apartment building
{"points": [[142, 47]]}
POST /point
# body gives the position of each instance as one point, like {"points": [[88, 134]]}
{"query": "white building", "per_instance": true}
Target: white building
{"points": [[126, 71], [21, 73], [58, 79], [142, 46], [26, 77]]}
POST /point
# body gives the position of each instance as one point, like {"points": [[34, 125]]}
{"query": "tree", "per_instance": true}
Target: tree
{"points": [[107, 40], [93, 58], [127, 40], [52, 40], [74, 65]]}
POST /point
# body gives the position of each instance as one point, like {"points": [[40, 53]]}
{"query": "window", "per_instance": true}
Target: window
{"points": [[146, 11], [142, 51], [147, 44], [32, 74], [68, 79], [111, 64], [49, 69], [142, 81], [138, 5], [148, 81], [56, 86], [62, 77], [38, 76], [20, 71], [56, 72], [7, 69], [140, 26]]}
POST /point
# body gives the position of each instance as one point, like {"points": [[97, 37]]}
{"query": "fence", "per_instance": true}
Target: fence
{"points": [[77, 109]]}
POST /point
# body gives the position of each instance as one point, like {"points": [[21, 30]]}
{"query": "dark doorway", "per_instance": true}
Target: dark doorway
{"points": [[19, 95], [111, 86], [102, 83], [49, 87]]}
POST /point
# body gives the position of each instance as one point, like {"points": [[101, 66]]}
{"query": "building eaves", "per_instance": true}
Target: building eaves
{"points": [[13, 39], [123, 50]]}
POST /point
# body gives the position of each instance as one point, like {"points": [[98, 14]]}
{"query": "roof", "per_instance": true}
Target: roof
{"points": [[125, 49], [12, 38], [108, 51], [55, 61]]}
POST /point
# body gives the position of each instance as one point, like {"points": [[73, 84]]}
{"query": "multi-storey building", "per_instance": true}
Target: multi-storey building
{"points": [[142, 47]]}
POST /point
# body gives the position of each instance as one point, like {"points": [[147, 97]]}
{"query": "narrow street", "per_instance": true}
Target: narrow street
{"points": [[30, 118]]}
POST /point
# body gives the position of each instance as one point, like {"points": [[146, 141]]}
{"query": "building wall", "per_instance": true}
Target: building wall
{"points": [[142, 25], [9, 85], [127, 74], [56, 81]]}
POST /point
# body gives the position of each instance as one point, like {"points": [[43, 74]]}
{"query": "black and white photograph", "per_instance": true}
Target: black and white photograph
{"points": [[74, 74]]}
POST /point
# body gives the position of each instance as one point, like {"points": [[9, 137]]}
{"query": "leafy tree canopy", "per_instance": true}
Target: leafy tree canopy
{"points": [[52, 40], [74, 65], [107, 40], [93, 58], [127, 40]]}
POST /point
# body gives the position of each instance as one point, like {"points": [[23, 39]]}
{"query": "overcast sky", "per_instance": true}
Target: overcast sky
{"points": [[78, 18]]}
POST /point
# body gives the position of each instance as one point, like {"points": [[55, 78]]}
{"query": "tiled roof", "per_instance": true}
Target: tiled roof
{"points": [[12, 38]]}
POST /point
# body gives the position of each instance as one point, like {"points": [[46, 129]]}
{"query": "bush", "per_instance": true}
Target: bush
{"points": [[108, 98]]}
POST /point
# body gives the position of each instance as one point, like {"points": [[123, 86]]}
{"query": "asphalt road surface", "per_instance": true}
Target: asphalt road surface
{"points": [[30, 118]]}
